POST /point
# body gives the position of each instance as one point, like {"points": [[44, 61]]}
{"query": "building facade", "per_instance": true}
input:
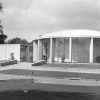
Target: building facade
{"points": [[69, 46], [23, 53]]}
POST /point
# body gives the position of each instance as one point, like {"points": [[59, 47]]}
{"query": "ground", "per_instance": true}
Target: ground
{"points": [[70, 81], [42, 95]]}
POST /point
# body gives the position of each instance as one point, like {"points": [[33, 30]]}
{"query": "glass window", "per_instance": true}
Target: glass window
{"points": [[96, 50], [61, 50], [80, 50]]}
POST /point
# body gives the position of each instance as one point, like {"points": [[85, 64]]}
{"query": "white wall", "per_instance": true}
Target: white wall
{"points": [[2, 52], [7, 49]]}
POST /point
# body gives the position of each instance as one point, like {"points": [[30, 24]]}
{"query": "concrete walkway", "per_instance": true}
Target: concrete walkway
{"points": [[27, 66], [52, 80]]}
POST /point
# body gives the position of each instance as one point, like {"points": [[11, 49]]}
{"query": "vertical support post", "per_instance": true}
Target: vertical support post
{"points": [[33, 52], [70, 49], [58, 50], [39, 49], [28, 53], [64, 46], [51, 52], [35, 47], [91, 50]]}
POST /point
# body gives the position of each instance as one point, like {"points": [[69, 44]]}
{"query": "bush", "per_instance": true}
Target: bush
{"points": [[98, 59]]}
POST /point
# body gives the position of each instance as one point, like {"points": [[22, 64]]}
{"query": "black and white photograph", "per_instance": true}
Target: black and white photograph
{"points": [[49, 49]]}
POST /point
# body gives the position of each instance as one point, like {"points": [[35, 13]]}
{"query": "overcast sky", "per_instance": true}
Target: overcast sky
{"points": [[31, 18]]}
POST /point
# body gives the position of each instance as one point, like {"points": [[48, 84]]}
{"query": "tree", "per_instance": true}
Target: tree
{"points": [[3, 37], [14, 41], [17, 41], [24, 41], [1, 7]]}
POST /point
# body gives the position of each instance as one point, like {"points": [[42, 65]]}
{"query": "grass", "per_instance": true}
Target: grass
{"points": [[26, 84], [25, 89], [44, 95]]}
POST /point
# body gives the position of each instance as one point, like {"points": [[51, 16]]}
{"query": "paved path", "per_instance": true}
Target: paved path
{"points": [[53, 80], [27, 66]]}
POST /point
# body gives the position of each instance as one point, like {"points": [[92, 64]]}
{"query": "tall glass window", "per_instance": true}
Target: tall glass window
{"points": [[80, 50], [46, 49], [96, 50], [61, 50]]}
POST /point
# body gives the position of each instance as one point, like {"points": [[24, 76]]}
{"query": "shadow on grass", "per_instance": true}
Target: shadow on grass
{"points": [[43, 95]]}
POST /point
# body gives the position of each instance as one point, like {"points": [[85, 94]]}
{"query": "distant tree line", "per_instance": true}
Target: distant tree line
{"points": [[17, 40]]}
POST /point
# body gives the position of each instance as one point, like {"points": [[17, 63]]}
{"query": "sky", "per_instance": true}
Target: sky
{"points": [[30, 18]]}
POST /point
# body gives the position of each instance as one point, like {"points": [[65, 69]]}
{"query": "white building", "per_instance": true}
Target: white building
{"points": [[21, 52], [81, 46]]}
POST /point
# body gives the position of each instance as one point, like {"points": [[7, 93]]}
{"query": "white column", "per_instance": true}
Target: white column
{"points": [[39, 49], [53, 49], [91, 50], [51, 52], [35, 47], [70, 49]]}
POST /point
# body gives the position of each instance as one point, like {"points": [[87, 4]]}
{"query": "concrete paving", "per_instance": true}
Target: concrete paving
{"points": [[27, 66], [52, 80]]}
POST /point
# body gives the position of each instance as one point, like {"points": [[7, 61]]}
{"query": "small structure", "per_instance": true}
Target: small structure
{"points": [[74, 46], [23, 53]]}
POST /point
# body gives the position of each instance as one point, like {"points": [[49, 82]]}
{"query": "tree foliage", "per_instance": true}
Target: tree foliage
{"points": [[17, 41], [3, 37], [1, 7]]}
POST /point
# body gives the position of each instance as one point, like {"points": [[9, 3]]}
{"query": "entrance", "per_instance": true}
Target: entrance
{"points": [[46, 47], [26, 53]]}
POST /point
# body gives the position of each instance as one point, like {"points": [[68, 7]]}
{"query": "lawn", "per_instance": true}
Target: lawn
{"points": [[43, 95], [27, 84]]}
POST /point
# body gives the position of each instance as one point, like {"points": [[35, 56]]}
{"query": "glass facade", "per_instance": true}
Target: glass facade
{"points": [[96, 50], [61, 50], [80, 50], [45, 49]]}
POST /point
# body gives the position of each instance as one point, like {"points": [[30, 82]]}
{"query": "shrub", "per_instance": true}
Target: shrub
{"points": [[98, 59]]}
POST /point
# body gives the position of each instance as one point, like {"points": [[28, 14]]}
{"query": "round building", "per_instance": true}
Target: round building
{"points": [[69, 46]]}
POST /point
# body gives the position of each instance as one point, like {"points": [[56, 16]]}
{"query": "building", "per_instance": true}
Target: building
{"points": [[74, 46], [23, 53]]}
